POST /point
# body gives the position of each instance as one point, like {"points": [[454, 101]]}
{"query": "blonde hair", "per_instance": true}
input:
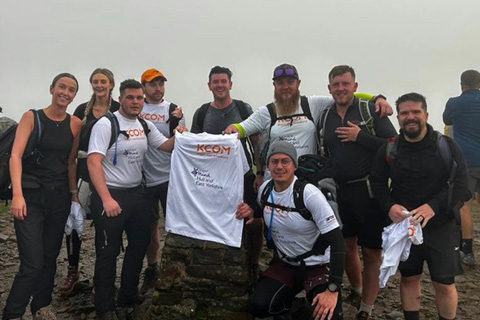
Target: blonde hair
{"points": [[93, 99]]}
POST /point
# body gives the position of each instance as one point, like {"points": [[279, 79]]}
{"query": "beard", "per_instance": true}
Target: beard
{"points": [[413, 134], [287, 106]]}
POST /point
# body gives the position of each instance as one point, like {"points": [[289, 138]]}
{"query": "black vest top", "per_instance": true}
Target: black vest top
{"points": [[51, 165]]}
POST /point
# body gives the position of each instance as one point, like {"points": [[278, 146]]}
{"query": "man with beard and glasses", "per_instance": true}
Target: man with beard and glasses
{"points": [[351, 146], [292, 123], [414, 184]]}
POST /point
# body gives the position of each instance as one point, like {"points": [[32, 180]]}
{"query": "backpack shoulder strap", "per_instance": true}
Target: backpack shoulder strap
{"points": [[265, 194], [36, 134], [367, 119], [321, 130], [298, 191], [202, 111], [446, 154], [273, 113], [115, 128], [172, 121], [306, 107], [242, 109], [445, 150], [144, 124]]}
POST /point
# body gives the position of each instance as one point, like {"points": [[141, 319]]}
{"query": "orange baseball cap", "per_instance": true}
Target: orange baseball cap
{"points": [[152, 74]]}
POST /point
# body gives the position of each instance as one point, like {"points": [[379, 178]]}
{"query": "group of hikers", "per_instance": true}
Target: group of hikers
{"points": [[115, 159]]}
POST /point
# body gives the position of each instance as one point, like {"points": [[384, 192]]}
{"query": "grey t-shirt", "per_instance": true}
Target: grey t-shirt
{"points": [[217, 120]]}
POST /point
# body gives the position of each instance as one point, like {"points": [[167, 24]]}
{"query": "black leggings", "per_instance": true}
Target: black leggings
{"points": [[271, 297], [73, 248]]}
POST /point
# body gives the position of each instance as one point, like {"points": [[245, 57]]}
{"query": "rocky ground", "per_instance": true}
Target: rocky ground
{"points": [[79, 305]]}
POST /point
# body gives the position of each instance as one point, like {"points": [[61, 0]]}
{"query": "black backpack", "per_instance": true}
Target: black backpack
{"points": [[298, 190], [273, 119], [6, 143]]}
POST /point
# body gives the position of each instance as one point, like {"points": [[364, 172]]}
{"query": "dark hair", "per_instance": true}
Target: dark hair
{"points": [[339, 70], [130, 84], [412, 96], [470, 79], [220, 70], [64, 75]]}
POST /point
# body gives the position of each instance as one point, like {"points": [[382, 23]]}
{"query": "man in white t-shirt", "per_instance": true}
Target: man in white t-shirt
{"points": [[318, 272], [118, 202], [156, 167]]}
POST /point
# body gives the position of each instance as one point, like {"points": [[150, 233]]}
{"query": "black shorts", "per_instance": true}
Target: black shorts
{"points": [[154, 195], [360, 214], [473, 180], [440, 249]]}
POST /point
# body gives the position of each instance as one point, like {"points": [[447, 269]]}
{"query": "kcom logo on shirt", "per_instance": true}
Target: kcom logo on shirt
{"points": [[215, 150]]}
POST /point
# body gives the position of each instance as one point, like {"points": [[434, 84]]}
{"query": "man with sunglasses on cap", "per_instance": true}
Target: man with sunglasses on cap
{"points": [[320, 273], [351, 144], [294, 117], [156, 166]]}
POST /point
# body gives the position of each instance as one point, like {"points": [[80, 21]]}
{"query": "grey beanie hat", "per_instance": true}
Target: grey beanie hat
{"points": [[280, 146]]}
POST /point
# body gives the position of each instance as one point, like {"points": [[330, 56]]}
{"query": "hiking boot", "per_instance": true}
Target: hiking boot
{"points": [[70, 281], [468, 259], [44, 313], [362, 315], [150, 276], [354, 299], [130, 301], [110, 315]]}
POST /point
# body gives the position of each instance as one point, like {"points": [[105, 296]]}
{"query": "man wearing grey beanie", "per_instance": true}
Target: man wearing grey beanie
{"points": [[296, 265]]}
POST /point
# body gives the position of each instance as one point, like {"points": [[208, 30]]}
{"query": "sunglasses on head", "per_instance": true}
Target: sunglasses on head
{"points": [[284, 72]]}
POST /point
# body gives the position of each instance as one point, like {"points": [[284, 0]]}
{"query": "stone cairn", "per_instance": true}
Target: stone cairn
{"points": [[201, 280]]}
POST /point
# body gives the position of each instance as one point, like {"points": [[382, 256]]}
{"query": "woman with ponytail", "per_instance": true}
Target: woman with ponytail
{"points": [[102, 82]]}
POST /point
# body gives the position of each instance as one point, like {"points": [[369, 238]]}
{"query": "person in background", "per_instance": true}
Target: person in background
{"points": [[462, 113]]}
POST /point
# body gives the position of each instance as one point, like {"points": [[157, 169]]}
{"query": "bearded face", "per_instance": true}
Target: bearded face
{"points": [[287, 95]]}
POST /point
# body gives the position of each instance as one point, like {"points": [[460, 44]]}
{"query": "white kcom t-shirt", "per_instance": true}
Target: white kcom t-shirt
{"points": [[127, 173], [157, 162], [206, 186]]}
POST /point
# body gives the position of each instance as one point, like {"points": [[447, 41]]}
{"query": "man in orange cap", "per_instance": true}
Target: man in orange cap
{"points": [[156, 167]]}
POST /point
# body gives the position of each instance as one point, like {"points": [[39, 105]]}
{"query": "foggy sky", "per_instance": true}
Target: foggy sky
{"points": [[395, 47]]}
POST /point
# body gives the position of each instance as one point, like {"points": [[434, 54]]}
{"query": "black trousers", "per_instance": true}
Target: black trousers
{"points": [[135, 219], [272, 297], [39, 239]]}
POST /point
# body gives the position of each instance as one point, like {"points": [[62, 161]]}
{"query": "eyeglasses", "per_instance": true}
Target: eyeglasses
{"points": [[284, 72], [285, 162]]}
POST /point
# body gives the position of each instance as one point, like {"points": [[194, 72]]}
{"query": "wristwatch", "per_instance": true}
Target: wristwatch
{"points": [[260, 173], [333, 287]]}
